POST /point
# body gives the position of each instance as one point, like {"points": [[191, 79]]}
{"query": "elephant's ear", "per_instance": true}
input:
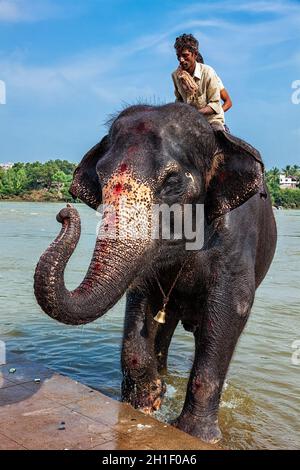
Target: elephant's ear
{"points": [[85, 184], [236, 174]]}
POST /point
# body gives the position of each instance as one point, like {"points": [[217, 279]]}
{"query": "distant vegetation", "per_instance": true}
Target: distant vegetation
{"points": [[37, 181], [50, 181], [287, 198]]}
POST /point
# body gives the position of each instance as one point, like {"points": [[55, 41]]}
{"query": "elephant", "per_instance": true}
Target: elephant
{"points": [[167, 154]]}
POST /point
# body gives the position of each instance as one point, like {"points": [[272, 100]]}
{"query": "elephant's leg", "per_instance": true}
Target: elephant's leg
{"points": [[163, 339], [223, 321], [141, 386]]}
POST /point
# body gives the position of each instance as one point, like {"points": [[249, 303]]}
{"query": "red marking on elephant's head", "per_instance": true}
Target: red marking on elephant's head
{"points": [[142, 127], [123, 167], [118, 189]]}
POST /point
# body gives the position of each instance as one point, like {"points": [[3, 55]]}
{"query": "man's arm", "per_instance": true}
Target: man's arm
{"points": [[227, 103], [213, 95], [227, 100]]}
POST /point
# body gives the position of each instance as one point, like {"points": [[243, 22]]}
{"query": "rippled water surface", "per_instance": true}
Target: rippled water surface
{"points": [[261, 400]]}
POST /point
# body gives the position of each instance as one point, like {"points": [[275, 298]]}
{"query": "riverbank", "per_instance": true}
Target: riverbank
{"points": [[43, 195], [40, 409], [39, 195]]}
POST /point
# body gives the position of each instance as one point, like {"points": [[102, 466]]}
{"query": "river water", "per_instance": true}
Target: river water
{"points": [[261, 401]]}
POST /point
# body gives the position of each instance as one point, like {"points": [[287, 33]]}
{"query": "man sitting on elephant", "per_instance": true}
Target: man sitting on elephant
{"points": [[198, 84]]}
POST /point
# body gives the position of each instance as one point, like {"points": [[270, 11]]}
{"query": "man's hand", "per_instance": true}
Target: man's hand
{"points": [[207, 110], [187, 82]]}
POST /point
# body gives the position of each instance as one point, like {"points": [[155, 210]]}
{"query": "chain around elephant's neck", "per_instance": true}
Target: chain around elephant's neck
{"points": [[160, 317]]}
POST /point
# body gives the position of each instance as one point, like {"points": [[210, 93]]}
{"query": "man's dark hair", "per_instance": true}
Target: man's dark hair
{"points": [[189, 42]]}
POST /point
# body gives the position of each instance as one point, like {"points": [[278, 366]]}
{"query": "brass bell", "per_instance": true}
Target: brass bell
{"points": [[160, 317]]}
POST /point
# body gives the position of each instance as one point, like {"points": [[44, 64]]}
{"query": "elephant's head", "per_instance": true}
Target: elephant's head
{"points": [[151, 155]]}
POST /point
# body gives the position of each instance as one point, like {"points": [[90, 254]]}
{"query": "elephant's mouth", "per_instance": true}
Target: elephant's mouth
{"points": [[80, 192]]}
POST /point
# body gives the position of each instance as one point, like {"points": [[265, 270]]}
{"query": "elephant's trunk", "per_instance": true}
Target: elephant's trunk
{"points": [[113, 267]]}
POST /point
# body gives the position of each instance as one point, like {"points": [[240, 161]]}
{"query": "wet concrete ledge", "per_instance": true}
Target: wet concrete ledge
{"points": [[40, 409]]}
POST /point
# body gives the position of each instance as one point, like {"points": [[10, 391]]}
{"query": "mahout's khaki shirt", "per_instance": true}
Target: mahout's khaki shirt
{"points": [[208, 92]]}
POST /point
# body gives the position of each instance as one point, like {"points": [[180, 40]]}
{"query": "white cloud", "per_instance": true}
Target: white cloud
{"points": [[102, 74], [231, 43], [17, 11], [92, 72], [264, 7], [271, 6], [9, 11]]}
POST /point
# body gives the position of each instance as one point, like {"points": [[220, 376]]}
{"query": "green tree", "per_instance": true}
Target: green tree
{"points": [[295, 171], [287, 170], [273, 175], [13, 181], [65, 166], [272, 178], [20, 180]]}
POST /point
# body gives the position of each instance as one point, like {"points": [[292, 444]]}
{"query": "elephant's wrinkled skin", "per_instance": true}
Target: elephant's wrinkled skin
{"points": [[169, 154]]}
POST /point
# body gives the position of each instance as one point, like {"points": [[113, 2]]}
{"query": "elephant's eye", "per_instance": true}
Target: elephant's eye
{"points": [[172, 184]]}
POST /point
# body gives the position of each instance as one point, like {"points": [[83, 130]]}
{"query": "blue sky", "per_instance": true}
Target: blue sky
{"points": [[68, 64]]}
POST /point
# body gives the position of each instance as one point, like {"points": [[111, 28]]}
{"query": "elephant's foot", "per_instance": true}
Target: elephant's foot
{"points": [[145, 397], [207, 429]]}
